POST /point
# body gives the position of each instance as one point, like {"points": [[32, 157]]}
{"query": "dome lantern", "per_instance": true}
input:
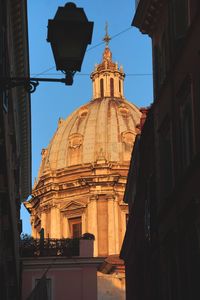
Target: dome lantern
{"points": [[107, 78]]}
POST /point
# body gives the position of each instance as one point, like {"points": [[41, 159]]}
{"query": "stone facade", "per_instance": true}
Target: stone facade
{"points": [[82, 176], [15, 142]]}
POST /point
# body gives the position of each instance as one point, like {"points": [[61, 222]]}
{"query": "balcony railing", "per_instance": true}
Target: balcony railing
{"points": [[50, 247], [83, 246]]}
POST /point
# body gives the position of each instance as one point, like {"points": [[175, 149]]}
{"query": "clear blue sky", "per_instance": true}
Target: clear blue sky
{"points": [[51, 101]]}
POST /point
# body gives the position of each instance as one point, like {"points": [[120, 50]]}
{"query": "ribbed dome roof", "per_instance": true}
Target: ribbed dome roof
{"points": [[104, 129], [101, 129]]}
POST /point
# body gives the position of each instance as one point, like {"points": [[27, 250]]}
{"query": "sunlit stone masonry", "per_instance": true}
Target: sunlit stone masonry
{"points": [[82, 177]]}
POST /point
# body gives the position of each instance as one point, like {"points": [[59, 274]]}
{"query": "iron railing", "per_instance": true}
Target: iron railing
{"points": [[49, 247]]}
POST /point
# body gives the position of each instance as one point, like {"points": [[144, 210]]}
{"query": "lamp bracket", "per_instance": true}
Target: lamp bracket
{"points": [[30, 83]]}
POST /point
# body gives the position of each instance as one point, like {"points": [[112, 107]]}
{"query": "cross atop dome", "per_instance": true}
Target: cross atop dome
{"points": [[106, 38], [107, 55]]}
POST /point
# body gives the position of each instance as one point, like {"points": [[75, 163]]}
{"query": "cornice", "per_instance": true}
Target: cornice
{"points": [[147, 15], [62, 176], [59, 262], [97, 74], [81, 183]]}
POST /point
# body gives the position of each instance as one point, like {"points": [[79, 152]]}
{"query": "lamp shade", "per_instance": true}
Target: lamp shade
{"points": [[69, 34]]}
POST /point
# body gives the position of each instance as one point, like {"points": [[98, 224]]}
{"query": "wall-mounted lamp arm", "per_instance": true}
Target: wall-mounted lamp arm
{"points": [[31, 83]]}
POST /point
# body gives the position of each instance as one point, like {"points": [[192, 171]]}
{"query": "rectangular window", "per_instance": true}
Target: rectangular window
{"points": [[159, 66], [165, 157], [180, 17], [186, 133], [1, 48], [43, 288], [2, 66], [75, 225], [186, 124], [163, 51], [178, 22]]}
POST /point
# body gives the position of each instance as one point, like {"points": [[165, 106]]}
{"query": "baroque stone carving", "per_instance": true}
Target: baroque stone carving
{"points": [[128, 138], [75, 141]]}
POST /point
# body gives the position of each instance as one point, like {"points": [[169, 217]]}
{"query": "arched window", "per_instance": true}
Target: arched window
{"points": [[111, 87], [101, 88], [119, 86]]}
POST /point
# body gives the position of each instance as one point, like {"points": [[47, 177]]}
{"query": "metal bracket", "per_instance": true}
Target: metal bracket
{"points": [[30, 84]]}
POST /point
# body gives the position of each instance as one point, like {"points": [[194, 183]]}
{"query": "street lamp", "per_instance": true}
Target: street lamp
{"points": [[69, 34]]}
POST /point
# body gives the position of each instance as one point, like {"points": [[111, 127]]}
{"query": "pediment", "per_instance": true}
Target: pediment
{"points": [[73, 205]]}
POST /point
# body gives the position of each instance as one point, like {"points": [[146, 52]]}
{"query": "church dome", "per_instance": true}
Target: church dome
{"points": [[82, 177], [104, 128]]}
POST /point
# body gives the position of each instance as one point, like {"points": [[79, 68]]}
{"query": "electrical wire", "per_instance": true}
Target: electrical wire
{"points": [[87, 74], [91, 48]]}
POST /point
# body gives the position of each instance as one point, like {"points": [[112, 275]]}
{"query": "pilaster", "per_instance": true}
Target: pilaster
{"points": [[33, 229], [55, 222], [43, 221], [92, 221], [83, 223], [116, 222], [123, 224], [116, 86], [65, 226], [111, 226]]}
